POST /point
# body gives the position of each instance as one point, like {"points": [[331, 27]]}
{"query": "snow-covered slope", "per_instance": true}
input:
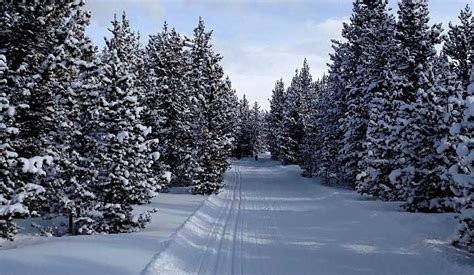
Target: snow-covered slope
{"points": [[270, 220], [100, 254]]}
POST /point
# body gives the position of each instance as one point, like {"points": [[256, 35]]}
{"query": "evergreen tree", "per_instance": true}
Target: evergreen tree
{"points": [[311, 143], [168, 106], [275, 119], [462, 172], [73, 74], [231, 115], [417, 54], [125, 156], [437, 111], [243, 147], [292, 128], [295, 112], [362, 76], [256, 128], [30, 33], [459, 45], [354, 122], [375, 80], [206, 81], [331, 109]]}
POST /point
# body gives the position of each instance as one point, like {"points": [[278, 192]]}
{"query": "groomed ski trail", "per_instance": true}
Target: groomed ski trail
{"points": [[270, 220]]}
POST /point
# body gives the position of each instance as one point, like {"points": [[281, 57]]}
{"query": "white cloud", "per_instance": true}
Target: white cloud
{"points": [[254, 68], [103, 10]]}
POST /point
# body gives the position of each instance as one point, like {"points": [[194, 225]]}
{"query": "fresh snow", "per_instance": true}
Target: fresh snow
{"points": [[267, 220], [34, 165], [270, 220], [99, 254]]}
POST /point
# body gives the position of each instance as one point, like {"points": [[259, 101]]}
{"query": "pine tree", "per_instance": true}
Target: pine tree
{"points": [[243, 147], [375, 76], [362, 77], [295, 112], [459, 45], [229, 116], [231, 125], [208, 85], [275, 119], [331, 107], [462, 172], [437, 110], [74, 74], [256, 127], [292, 127], [168, 103], [416, 56], [32, 31], [311, 144], [125, 156]]}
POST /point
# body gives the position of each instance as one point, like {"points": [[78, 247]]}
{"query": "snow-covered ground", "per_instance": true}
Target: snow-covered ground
{"points": [[270, 220], [101, 254]]}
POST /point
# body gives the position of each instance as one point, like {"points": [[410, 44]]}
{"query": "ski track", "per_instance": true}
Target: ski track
{"points": [[270, 220]]}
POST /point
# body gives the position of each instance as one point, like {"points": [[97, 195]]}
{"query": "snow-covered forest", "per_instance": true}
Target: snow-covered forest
{"points": [[393, 118], [151, 138], [88, 133]]}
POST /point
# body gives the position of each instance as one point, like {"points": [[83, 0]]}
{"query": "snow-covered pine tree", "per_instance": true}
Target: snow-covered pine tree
{"points": [[309, 93], [8, 157], [415, 58], [459, 45], [228, 102], [438, 110], [275, 118], [256, 128], [208, 86], [332, 106], [231, 117], [366, 16], [33, 30], [242, 146], [310, 147], [462, 172], [292, 128], [375, 75], [125, 156], [73, 73], [168, 105], [295, 111]]}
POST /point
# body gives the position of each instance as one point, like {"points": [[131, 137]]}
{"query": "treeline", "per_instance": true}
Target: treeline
{"points": [[250, 130], [393, 118], [89, 134]]}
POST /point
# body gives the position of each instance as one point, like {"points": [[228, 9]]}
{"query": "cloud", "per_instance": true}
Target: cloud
{"points": [[103, 10], [254, 68]]}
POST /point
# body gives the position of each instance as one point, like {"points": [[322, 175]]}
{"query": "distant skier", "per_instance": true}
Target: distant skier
{"points": [[256, 157]]}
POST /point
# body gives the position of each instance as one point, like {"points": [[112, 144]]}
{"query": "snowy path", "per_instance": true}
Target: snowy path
{"points": [[269, 220]]}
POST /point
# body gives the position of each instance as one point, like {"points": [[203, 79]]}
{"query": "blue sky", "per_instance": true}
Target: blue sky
{"points": [[260, 40]]}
